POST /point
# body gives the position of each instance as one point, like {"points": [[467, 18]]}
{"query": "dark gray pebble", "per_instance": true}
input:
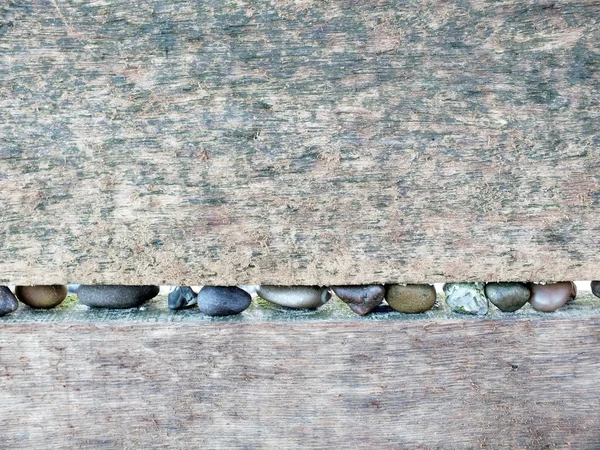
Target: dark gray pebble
{"points": [[182, 297], [360, 299], [8, 301], [507, 297], [223, 301], [596, 288], [115, 296]]}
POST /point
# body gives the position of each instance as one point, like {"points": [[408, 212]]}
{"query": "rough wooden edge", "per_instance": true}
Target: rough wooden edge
{"points": [[527, 382]]}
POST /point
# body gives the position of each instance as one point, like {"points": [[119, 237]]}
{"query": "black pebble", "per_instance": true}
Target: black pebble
{"points": [[223, 301], [8, 301], [181, 298], [115, 296], [596, 288]]}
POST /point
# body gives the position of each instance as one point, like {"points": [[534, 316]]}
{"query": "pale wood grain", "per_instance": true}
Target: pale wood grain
{"points": [[499, 383], [308, 142]]}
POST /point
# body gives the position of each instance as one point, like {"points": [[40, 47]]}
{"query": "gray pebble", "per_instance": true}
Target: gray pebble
{"points": [[299, 297], [115, 296], [223, 301], [466, 298], [507, 297], [8, 301], [181, 297], [360, 299]]}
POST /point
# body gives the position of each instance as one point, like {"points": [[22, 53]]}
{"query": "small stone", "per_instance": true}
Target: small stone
{"points": [[549, 297], [360, 299], [223, 301], [72, 288], [8, 302], [43, 297], [507, 297], [466, 298], [298, 297], [596, 288], [115, 296], [410, 298], [181, 297]]}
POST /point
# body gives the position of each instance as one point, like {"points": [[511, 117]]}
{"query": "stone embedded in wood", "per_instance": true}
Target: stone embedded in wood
{"points": [[116, 296], [410, 298], [181, 297], [223, 300], [466, 298], [299, 297], [507, 297], [551, 296], [42, 297], [8, 302], [360, 299]]}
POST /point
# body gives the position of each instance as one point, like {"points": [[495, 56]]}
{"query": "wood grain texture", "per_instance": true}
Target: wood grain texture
{"points": [[502, 383], [299, 142]]}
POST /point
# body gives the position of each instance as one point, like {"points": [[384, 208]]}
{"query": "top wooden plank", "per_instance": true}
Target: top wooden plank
{"points": [[299, 142]]}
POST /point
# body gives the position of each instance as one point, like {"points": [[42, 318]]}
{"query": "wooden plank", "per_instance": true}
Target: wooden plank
{"points": [[299, 142], [507, 381]]}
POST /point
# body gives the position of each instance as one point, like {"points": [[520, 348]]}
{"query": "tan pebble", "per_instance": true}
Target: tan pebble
{"points": [[44, 297], [412, 298]]}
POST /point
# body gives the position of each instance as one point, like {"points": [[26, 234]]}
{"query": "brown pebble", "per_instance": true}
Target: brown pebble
{"points": [[412, 298], [550, 297], [44, 297], [360, 299]]}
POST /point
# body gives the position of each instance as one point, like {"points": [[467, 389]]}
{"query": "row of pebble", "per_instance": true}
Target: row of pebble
{"points": [[466, 298]]}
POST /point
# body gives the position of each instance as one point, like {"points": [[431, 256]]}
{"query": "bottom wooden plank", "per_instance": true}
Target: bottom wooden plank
{"points": [[445, 383]]}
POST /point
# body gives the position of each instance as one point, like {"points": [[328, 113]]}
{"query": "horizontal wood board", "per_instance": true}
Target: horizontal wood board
{"points": [[507, 381], [299, 142]]}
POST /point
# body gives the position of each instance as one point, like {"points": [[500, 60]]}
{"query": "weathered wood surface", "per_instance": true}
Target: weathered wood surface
{"points": [[508, 381], [302, 142]]}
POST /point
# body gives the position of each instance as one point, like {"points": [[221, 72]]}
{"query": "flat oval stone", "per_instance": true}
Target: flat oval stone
{"points": [[596, 288], [507, 297], [549, 297], [466, 298], [360, 299], [42, 297], [115, 296], [223, 300], [8, 301], [299, 297], [181, 297], [410, 298]]}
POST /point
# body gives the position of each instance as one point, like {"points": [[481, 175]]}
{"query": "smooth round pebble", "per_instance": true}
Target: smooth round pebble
{"points": [[42, 297], [550, 297], [507, 297], [223, 301], [410, 298], [596, 288], [466, 298], [360, 299], [181, 297], [299, 297], [115, 296], [8, 301]]}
